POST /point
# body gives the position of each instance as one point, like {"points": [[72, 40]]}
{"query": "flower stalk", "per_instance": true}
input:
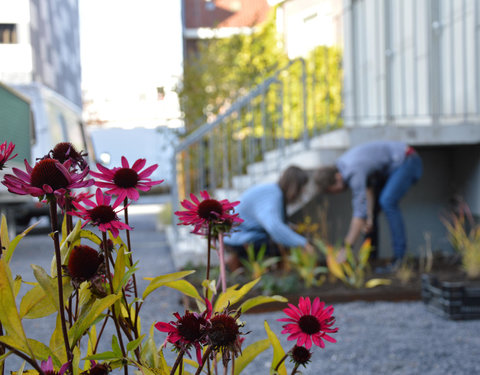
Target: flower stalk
{"points": [[110, 282], [58, 260]]}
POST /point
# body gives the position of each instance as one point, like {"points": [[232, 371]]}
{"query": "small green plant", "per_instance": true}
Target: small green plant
{"points": [[307, 267], [464, 236], [255, 264], [352, 271]]}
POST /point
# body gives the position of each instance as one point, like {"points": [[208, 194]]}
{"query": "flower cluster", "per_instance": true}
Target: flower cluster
{"points": [[103, 284]]}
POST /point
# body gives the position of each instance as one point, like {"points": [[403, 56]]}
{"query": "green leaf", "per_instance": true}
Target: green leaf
{"points": [[149, 352], [161, 280], [9, 316], [132, 345], [250, 353], [259, 300], [89, 317], [49, 285], [232, 295], [13, 244], [116, 347], [103, 356], [278, 352]]}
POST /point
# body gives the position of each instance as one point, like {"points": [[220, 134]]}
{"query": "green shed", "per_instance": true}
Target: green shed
{"points": [[16, 124]]}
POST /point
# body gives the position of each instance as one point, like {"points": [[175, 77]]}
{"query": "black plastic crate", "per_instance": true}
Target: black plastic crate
{"points": [[452, 300]]}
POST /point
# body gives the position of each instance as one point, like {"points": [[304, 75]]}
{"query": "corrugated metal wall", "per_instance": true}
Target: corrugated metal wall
{"points": [[15, 121]]}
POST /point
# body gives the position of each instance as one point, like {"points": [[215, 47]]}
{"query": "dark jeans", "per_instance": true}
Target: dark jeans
{"points": [[395, 188]]}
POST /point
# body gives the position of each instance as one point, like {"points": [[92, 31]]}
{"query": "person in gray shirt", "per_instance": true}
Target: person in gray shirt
{"points": [[401, 167]]}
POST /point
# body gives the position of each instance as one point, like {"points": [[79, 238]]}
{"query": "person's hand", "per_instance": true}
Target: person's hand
{"points": [[368, 226], [342, 255], [309, 248]]}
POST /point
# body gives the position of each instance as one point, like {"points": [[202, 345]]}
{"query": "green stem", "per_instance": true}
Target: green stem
{"points": [[134, 279], [58, 258], [294, 371], [115, 319]]}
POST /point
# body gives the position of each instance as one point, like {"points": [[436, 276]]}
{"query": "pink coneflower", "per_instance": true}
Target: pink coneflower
{"points": [[47, 367], [207, 212], [48, 177], [6, 153], [309, 322], [224, 335], [125, 182], [83, 263], [101, 213], [188, 330], [97, 369], [64, 151]]}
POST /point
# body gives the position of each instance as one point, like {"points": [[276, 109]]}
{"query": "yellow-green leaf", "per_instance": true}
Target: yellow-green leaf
{"points": [[57, 345], [9, 316], [278, 352], [40, 350], [372, 283], [185, 287], [250, 353], [259, 300], [13, 244], [67, 244], [4, 233], [50, 285], [90, 236], [232, 295], [119, 269], [35, 303], [159, 281], [90, 317]]}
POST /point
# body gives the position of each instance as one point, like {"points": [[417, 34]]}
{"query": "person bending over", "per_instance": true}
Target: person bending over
{"points": [[263, 210], [400, 166]]}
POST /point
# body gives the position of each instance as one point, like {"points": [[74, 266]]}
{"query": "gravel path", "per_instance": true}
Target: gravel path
{"points": [[373, 338]]}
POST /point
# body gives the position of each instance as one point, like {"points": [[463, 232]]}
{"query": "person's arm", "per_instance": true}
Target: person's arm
{"points": [[357, 225], [370, 205]]}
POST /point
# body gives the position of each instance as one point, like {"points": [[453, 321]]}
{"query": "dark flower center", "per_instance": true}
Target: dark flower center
{"points": [[99, 369], [46, 172], [309, 324], [210, 209], [64, 151], [301, 355], [102, 214], [224, 331], [125, 178], [189, 327], [83, 262]]}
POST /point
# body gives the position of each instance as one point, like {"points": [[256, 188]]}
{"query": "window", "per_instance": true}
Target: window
{"points": [[8, 33]]}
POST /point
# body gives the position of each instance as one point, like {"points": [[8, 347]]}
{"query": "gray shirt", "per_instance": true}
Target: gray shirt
{"points": [[361, 161]]}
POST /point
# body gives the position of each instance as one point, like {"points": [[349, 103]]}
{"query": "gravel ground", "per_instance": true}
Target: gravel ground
{"points": [[373, 338]]}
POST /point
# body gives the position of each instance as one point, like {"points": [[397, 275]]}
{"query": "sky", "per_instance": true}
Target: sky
{"points": [[129, 43]]}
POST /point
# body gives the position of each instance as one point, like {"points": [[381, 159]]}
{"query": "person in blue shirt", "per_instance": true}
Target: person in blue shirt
{"points": [[263, 210], [401, 167]]}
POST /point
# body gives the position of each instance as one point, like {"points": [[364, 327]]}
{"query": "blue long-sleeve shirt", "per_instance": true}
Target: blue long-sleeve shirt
{"points": [[262, 209], [361, 161]]}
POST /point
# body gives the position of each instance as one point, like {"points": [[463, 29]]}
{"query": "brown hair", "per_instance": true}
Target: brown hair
{"points": [[292, 182], [324, 177]]}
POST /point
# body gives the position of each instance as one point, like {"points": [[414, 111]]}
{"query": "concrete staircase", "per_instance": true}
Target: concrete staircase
{"points": [[190, 249]]}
